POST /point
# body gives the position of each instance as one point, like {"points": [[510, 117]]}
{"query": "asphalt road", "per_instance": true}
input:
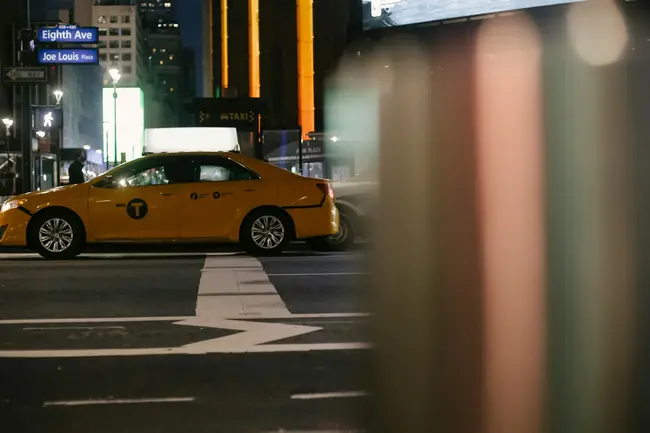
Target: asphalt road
{"points": [[182, 342]]}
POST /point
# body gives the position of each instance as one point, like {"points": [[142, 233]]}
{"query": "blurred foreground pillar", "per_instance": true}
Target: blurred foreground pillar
{"points": [[427, 298], [504, 258]]}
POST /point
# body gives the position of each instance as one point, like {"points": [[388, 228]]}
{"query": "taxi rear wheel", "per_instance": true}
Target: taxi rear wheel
{"points": [[56, 235], [341, 241], [266, 232]]}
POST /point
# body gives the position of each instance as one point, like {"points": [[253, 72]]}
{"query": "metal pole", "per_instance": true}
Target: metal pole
{"points": [[115, 123], [300, 149]]}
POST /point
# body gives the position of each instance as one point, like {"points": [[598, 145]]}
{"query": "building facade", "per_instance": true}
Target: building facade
{"points": [[121, 43], [280, 51], [153, 12]]}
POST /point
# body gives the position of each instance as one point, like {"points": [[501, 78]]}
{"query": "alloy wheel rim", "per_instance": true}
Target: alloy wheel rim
{"points": [[56, 235], [267, 232]]}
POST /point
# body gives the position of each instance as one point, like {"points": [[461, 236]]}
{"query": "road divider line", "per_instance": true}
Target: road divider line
{"points": [[185, 350], [70, 328], [30, 256], [272, 316], [119, 401], [321, 274], [94, 320], [324, 395]]}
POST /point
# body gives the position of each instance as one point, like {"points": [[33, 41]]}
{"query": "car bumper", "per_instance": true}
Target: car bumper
{"points": [[13, 228], [312, 222]]}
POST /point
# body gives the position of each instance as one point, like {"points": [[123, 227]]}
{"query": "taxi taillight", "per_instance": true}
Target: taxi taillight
{"points": [[326, 189]]}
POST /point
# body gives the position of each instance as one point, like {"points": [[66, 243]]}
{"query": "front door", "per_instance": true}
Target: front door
{"points": [[140, 203], [225, 192]]}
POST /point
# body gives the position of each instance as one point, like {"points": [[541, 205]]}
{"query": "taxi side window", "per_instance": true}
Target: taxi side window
{"points": [[151, 176], [216, 169], [154, 172]]}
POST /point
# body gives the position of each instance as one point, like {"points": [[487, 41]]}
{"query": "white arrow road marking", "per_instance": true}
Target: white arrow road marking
{"points": [[254, 333], [232, 288], [236, 286]]}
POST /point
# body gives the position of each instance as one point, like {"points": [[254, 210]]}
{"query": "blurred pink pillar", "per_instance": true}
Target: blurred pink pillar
{"points": [[511, 209]]}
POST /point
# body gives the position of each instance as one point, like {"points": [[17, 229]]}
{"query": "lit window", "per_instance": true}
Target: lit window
{"points": [[171, 57], [163, 50], [153, 50], [168, 5], [162, 63], [171, 89], [175, 25]]}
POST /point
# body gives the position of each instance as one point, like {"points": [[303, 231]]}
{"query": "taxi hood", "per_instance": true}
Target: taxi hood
{"points": [[35, 194]]}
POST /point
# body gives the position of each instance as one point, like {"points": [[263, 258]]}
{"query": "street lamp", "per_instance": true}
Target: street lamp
{"points": [[40, 134], [115, 75], [58, 94], [8, 123]]}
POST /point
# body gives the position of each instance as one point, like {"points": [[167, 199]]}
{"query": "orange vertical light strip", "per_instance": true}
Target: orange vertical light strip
{"points": [[254, 48], [224, 44], [510, 157], [305, 24], [211, 48]]}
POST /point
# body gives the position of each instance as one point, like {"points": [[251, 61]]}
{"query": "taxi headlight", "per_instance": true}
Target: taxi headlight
{"points": [[10, 204]]}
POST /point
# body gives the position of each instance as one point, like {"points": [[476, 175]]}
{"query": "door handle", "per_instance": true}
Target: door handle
{"points": [[166, 193]]}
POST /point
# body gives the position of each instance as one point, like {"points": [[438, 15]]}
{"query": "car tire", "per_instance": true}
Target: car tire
{"points": [[266, 232], [342, 241], [56, 235]]}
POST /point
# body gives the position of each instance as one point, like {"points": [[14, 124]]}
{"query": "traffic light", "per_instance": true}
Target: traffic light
{"points": [[27, 54]]}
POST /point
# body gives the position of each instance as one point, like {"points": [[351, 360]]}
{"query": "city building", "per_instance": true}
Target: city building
{"points": [[121, 41], [187, 86], [165, 54], [153, 12], [81, 103], [291, 46]]}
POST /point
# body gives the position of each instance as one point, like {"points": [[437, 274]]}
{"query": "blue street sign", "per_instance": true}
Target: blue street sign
{"points": [[68, 34], [68, 56]]}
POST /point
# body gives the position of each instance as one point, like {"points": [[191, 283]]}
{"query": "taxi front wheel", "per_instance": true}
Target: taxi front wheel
{"points": [[266, 232], [56, 235]]}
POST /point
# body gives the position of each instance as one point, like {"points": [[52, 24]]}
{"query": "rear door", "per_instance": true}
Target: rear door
{"points": [[224, 192]]}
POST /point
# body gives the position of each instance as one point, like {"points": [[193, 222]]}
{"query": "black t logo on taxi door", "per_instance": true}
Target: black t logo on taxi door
{"points": [[137, 209], [194, 196], [216, 195]]}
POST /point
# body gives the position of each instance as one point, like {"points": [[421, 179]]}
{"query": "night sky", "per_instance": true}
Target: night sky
{"points": [[188, 13]]}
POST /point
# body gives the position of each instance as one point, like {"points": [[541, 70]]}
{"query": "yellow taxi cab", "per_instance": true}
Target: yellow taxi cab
{"points": [[215, 197]]}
